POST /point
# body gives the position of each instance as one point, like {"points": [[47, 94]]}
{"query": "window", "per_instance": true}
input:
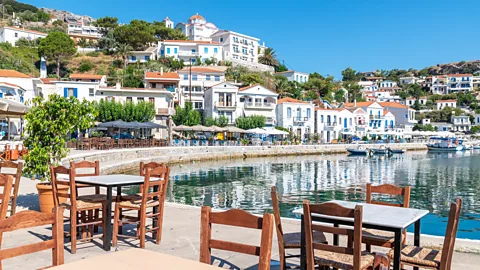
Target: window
{"points": [[129, 99], [154, 85], [217, 78], [175, 50], [221, 39], [70, 92], [139, 99], [215, 50], [297, 78], [194, 77], [162, 52], [185, 77], [16, 34], [242, 99], [168, 50], [207, 77], [134, 58], [194, 60], [321, 118], [91, 92], [198, 105], [308, 113], [152, 100], [289, 112], [205, 50], [147, 58]]}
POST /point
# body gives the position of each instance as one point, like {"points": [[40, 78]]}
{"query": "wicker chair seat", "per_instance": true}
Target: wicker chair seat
{"points": [[369, 235], [93, 198], [342, 261], [419, 256], [82, 205], [136, 202], [292, 240]]}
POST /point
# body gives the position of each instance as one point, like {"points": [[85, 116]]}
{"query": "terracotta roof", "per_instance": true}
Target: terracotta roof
{"points": [[330, 109], [8, 73], [196, 16], [373, 77], [446, 100], [359, 104], [291, 100], [252, 86], [411, 98], [459, 75], [393, 105], [191, 41], [48, 80], [86, 76], [158, 75], [202, 70], [25, 30], [11, 84]]}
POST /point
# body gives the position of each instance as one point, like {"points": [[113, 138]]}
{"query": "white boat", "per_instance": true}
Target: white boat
{"points": [[444, 146], [476, 147]]}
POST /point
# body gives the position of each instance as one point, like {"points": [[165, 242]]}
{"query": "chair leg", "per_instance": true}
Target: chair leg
{"points": [[159, 226], [83, 219], [73, 231], [143, 228], [97, 216], [14, 206], [116, 218], [368, 247]]}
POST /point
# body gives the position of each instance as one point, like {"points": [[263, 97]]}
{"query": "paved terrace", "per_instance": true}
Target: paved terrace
{"points": [[181, 232]]}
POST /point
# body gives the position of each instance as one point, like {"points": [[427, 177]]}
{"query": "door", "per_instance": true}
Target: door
{"points": [[328, 136], [345, 122]]}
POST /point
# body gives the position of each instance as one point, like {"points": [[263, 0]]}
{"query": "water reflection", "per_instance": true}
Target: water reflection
{"points": [[436, 180]]}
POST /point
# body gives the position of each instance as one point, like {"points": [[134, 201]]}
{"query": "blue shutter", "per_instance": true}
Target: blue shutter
{"points": [[1, 95], [65, 92], [75, 93]]}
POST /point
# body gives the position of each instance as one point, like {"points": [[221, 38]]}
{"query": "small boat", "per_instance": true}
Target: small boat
{"points": [[476, 147], [359, 151], [398, 151], [383, 150], [466, 147], [444, 147]]}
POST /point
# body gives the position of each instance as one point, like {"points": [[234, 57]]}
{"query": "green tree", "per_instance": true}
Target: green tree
{"points": [[475, 129], [107, 43], [85, 66], [106, 24], [164, 33], [282, 87], [281, 68], [58, 47], [82, 43], [250, 122], [350, 74], [47, 124], [186, 116], [415, 90], [268, 58], [123, 50], [339, 95], [138, 34], [252, 78]]}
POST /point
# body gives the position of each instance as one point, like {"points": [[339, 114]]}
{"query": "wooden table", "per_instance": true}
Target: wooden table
{"points": [[380, 217], [109, 182], [135, 258]]}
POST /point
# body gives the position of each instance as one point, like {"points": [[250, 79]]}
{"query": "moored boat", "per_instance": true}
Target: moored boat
{"points": [[359, 151]]}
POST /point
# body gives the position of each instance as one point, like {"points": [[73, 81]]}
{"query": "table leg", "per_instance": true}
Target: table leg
{"points": [[416, 239], [119, 194], [303, 247], [108, 221], [397, 250], [335, 236]]}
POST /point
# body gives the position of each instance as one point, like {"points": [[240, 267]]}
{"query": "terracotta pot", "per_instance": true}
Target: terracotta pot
{"points": [[45, 196]]}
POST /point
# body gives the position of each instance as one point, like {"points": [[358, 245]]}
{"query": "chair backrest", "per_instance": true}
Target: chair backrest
{"points": [[6, 181], [278, 220], [95, 166], [71, 193], [387, 189], [450, 235], [237, 218], [354, 242], [17, 175], [151, 165], [155, 184], [30, 219]]}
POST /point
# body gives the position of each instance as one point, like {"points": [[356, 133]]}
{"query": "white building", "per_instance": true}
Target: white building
{"points": [[476, 120], [165, 81], [408, 80], [79, 28], [404, 116], [461, 123], [440, 104], [476, 82], [386, 96], [296, 115], [21, 80], [360, 120], [197, 28], [258, 100], [330, 124], [387, 84], [221, 100], [410, 101], [437, 84], [201, 79], [294, 76], [368, 86], [378, 118], [13, 34], [189, 50], [142, 56], [12, 92], [460, 83], [81, 77]]}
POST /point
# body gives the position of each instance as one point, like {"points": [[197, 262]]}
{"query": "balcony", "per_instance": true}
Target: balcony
{"points": [[270, 121], [226, 106], [300, 119], [264, 106], [376, 117], [188, 53], [165, 111]]}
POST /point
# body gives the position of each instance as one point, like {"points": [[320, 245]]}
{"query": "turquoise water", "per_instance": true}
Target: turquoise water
{"points": [[436, 180]]}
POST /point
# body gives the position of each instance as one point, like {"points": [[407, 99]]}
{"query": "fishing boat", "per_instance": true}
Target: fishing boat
{"points": [[445, 145], [476, 147], [359, 151], [383, 150], [398, 151]]}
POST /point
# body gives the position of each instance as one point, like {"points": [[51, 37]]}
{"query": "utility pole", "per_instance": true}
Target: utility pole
{"points": [[190, 79]]}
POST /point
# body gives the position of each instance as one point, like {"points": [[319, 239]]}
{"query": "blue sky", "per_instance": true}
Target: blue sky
{"points": [[325, 36]]}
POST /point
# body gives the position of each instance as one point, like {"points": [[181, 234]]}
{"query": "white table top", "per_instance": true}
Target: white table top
{"points": [[380, 215], [135, 258], [111, 180]]}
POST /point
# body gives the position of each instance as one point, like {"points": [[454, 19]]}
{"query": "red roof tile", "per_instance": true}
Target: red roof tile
{"points": [[291, 100], [446, 100], [80, 76], [8, 73], [159, 75], [393, 105], [10, 84]]}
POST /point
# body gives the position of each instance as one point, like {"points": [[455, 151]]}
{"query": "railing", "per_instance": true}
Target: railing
{"points": [[300, 119], [225, 104], [259, 105], [188, 53], [331, 124], [376, 117], [171, 89]]}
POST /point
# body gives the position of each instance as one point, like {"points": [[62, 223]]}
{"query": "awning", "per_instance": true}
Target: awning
{"points": [[233, 129], [12, 108], [274, 131], [256, 131]]}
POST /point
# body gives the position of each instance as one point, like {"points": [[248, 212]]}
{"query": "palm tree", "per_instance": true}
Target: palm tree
{"points": [[269, 58], [82, 43], [123, 51], [283, 88]]}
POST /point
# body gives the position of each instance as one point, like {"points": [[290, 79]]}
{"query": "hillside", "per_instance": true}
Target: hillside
{"points": [[470, 67]]}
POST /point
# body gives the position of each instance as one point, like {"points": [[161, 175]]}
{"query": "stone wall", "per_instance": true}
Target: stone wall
{"points": [[118, 160]]}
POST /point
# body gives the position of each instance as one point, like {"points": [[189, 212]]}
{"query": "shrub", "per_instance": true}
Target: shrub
{"points": [[93, 54], [85, 66], [250, 122]]}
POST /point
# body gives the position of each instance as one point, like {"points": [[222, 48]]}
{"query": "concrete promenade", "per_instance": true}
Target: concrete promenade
{"points": [[182, 223]]}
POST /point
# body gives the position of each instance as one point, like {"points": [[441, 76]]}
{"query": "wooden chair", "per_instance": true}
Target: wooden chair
{"points": [[16, 182], [6, 181], [349, 257], [288, 240], [6, 154], [433, 258], [237, 218], [30, 219], [152, 197], [77, 207], [378, 237]]}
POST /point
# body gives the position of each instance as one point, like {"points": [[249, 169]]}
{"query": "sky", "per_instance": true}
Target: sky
{"points": [[324, 36]]}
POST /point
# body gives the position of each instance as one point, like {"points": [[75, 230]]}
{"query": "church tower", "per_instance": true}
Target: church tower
{"points": [[168, 23]]}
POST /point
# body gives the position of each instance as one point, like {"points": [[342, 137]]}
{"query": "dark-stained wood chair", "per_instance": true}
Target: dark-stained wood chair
{"points": [[288, 240], [6, 182], [237, 218], [17, 175], [150, 204], [29, 219], [429, 258], [381, 238], [77, 207], [324, 255]]}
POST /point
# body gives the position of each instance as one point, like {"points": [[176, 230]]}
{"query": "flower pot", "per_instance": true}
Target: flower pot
{"points": [[45, 196]]}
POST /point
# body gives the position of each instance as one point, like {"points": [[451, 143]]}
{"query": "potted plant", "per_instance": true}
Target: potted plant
{"points": [[47, 123], [244, 141], [72, 143]]}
